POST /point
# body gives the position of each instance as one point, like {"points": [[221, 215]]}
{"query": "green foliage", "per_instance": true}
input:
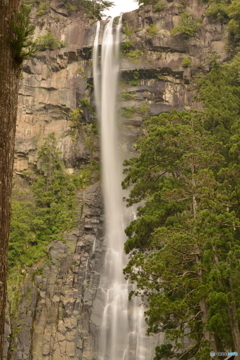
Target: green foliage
{"points": [[134, 54], [89, 131], [131, 54], [22, 235], [234, 23], [75, 117], [29, 3], [133, 82], [80, 70], [49, 42], [164, 352], [186, 62], [152, 30], [187, 26], [217, 11], [126, 46], [159, 6], [21, 35], [129, 112], [222, 107], [135, 74], [127, 31], [87, 53], [93, 8], [147, 2], [84, 103], [46, 212], [90, 85], [184, 246], [144, 111], [43, 8], [127, 96], [227, 12]]}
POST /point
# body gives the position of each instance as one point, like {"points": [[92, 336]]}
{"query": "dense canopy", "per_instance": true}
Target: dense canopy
{"points": [[185, 244]]}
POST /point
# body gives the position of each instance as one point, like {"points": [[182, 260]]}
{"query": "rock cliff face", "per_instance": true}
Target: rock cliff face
{"points": [[58, 312]]}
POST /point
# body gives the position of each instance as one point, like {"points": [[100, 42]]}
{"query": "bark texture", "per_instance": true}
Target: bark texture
{"points": [[9, 76]]}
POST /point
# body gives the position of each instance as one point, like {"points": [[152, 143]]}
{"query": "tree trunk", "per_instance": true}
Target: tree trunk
{"points": [[232, 312], [202, 304], [204, 312], [235, 329], [9, 79]]}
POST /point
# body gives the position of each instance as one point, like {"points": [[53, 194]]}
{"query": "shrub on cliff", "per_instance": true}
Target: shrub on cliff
{"points": [[159, 6], [152, 30], [227, 11], [49, 42], [47, 211], [186, 62], [43, 9], [187, 26], [93, 8], [43, 6], [234, 23], [217, 12]]}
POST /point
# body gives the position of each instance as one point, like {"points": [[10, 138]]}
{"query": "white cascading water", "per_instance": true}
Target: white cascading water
{"points": [[122, 333]]}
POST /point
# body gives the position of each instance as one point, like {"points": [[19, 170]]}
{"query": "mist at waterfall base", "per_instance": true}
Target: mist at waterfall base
{"points": [[122, 331]]}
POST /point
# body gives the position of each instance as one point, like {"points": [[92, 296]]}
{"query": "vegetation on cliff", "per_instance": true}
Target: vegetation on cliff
{"points": [[46, 211], [21, 35], [187, 26], [184, 246], [188, 227], [14, 47], [49, 42], [93, 8], [225, 11]]}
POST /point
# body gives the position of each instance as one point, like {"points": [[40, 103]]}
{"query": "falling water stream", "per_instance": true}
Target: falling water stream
{"points": [[122, 333]]}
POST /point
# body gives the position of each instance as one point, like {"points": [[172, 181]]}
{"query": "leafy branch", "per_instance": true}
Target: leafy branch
{"points": [[22, 31]]}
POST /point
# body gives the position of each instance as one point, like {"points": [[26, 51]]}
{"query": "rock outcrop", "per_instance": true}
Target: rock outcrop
{"points": [[58, 314], [53, 320]]}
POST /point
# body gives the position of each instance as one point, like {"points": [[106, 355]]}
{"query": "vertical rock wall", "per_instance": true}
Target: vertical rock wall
{"points": [[58, 313], [53, 320]]}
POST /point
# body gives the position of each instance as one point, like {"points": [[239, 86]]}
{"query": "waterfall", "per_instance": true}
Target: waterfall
{"points": [[122, 332]]}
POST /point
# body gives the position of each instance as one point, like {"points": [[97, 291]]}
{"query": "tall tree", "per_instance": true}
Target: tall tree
{"points": [[14, 47], [184, 246], [180, 156]]}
